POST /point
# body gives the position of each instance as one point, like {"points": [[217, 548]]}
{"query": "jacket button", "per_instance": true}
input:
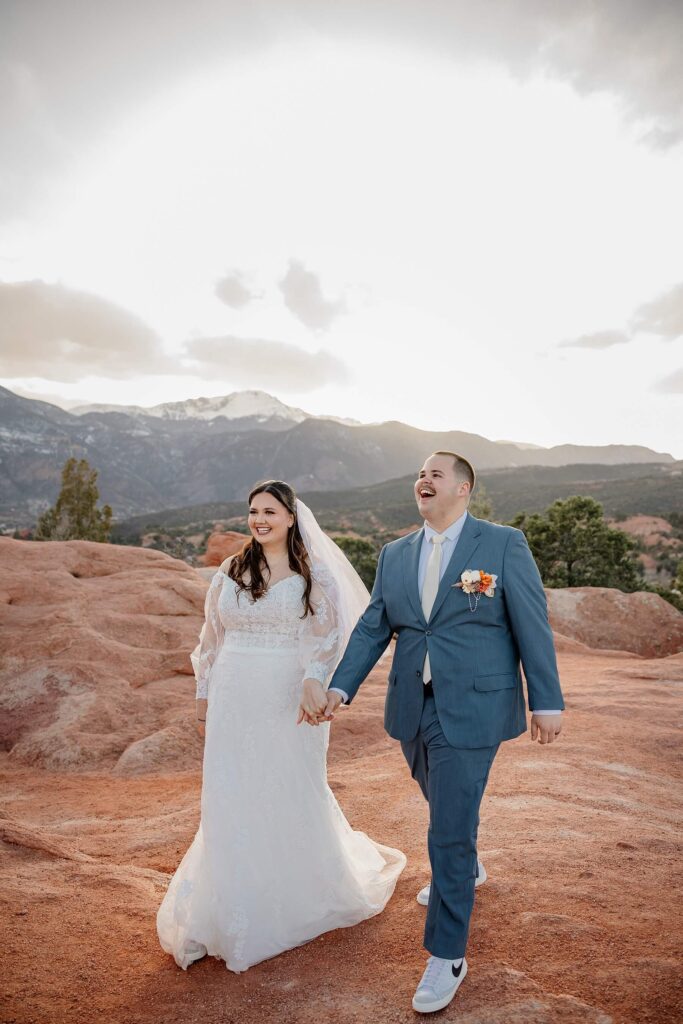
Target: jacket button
{"points": [[428, 632], [418, 673]]}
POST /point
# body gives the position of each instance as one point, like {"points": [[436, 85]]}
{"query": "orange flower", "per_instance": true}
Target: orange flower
{"points": [[486, 580]]}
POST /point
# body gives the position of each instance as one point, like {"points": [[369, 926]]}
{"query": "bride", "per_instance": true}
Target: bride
{"points": [[274, 862]]}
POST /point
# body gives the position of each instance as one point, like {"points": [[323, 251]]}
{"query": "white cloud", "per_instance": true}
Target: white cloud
{"points": [[233, 291], [257, 362], [599, 339], [629, 48], [662, 316], [304, 298], [52, 332], [672, 384]]}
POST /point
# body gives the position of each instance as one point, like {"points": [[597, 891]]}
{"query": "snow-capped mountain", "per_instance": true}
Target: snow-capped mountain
{"points": [[238, 405], [251, 408]]}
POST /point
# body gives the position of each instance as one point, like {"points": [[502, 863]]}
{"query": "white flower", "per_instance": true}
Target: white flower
{"points": [[491, 587]]}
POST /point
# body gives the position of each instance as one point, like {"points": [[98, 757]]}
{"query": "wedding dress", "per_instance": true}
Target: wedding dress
{"points": [[274, 862]]}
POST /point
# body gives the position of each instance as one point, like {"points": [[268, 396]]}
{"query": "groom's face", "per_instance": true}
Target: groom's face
{"points": [[438, 490]]}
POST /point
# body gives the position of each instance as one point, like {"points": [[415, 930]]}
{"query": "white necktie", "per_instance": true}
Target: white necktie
{"points": [[430, 588]]}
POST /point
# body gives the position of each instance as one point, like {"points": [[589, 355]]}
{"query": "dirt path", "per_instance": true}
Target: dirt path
{"points": [[577, 923]]}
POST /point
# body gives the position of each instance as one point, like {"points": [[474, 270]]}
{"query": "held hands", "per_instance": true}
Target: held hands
{"points": [[316, 704], [546, 727]]}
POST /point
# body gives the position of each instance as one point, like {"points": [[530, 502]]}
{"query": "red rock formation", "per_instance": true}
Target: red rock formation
{"points": [[657, 537], [603, 618], [222, 544], [95, 642], [651, 529]]}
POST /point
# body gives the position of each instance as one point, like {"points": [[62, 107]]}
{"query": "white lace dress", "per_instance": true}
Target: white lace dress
{"points": [[274, 862]]}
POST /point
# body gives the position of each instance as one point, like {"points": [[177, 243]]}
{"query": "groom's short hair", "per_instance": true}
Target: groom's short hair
{"points": [[463, 469]]}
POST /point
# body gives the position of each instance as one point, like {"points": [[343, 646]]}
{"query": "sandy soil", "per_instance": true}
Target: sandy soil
{"points": [[577, 922]]}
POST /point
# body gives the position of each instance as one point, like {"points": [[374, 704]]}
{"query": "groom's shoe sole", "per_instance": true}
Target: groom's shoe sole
{"points": [[197, 955], [439, 1004], [423, 899]]}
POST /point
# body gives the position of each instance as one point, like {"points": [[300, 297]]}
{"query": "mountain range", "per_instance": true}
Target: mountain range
{"points": [[212, 450]]}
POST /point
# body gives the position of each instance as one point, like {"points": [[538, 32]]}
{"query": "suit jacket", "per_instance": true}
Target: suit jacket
{"points": [[474, 656]]}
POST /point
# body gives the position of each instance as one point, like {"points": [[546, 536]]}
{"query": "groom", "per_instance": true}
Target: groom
{"points": [[455, 686]]}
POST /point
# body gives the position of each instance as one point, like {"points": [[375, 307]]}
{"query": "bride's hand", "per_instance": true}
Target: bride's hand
{"points": [[313, 703]]}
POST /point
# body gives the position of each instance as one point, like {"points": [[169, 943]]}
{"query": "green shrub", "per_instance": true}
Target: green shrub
{"points": [[362, 555], [574, 547]]}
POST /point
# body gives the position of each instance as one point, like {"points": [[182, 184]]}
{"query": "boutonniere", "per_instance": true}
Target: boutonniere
{"points": [[475, 582]]}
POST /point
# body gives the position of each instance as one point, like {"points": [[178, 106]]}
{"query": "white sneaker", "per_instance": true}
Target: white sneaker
{"points": [[439, 984], [423, 895], [194, 950]]}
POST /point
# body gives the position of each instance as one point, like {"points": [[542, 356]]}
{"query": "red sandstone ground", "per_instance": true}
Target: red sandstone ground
{"points": [[579, 921]]}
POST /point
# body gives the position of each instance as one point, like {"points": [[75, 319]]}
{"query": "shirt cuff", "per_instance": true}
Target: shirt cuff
{"points": [[546, 712], [335, 689]]}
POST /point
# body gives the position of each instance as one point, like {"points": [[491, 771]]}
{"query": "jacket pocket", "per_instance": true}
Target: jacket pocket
{"points": [[499, 681]]}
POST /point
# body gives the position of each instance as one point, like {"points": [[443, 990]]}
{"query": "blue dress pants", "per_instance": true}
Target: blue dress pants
{"points": [[452, 780]]}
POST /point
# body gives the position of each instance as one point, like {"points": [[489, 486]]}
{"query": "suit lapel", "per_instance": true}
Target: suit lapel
{"points": [[468, 542], [411, 563]]}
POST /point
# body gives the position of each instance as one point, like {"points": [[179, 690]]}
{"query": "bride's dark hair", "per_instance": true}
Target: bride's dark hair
{"points": [[251, 559]]}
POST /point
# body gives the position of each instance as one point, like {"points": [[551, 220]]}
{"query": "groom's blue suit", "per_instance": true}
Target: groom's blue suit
{"points": [[450, 732]]}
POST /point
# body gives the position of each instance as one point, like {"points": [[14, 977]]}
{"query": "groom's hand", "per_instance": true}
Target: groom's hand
{"points": [[546, 727], [334, 699]]}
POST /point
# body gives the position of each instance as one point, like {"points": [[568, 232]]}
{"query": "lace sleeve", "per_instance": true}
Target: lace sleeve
{"points": [[319, 635], [210, 637]]}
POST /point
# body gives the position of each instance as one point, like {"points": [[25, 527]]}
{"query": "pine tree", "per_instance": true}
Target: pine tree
{"points": [[75, 515], [574, 547]]}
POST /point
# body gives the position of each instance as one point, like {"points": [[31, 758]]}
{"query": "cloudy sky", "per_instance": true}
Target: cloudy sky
{"points": [[464, 216]]}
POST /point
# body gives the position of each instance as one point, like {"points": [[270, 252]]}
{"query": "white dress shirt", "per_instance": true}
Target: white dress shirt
{"points": [[452, 535]]}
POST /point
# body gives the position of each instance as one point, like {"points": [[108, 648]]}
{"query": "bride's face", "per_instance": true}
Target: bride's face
{"points": [[269, 521]]}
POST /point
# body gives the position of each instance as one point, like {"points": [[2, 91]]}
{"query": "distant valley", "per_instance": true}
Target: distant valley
{"points": [[381, 511]]}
